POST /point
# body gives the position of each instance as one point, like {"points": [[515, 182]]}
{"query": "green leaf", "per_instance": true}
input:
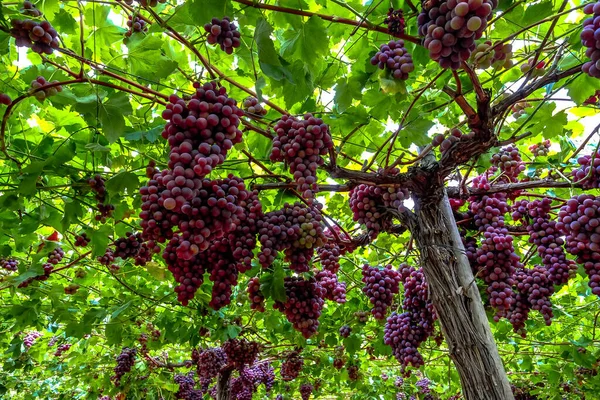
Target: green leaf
{"points": [[99, 240], [111, 115]]}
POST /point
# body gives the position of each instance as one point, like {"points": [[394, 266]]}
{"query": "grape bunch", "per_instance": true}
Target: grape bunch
{"points": [[97, 186], [395, 21], [30, 9], [5, 99], [579, 219], [345, 331], [30, 339], [405, 332], [71, 289], [353, 373], [489, 210], [589, 172], [81, 240], [450, 28], [187, 387], [593, 100], [253, 107], [338, 243], [128, 246], [291, 367], [135, 24], [201, 131], [306, 390], [295, 229], [40, 82], [334, 290], [519, 108], [262, 373], [445, 143], [534, 289], [301, 144], [538, 70], [381, 284], [61, 349], [362, 316], [224, 33], [9, 264], [125, 361], [54, 258], [303, 304], [509, 161], [498, 58], [395, 58], [41, 37], [209, 363], [589, 38], [241, 352], [257, 299], [368, 204], [540, 149]]}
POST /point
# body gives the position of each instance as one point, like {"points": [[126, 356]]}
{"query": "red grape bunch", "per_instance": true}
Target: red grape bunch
{"points": [[337, 245], [40, 82], [498, 58], [187, 387], [81, 240], [446, 143], [303, 304], [209, 363], [201, 131], [224, 33], [105, 210], [9, 264], [395, 21], [334, 290], [353, 373], [54, 258], [30, 9], [306, 390], [381, 284], [395, 58], [509, 161], [405, 332], [135, 24], [241, 352], [291, 367], [128, 246], [451, 28], [538, 70], [41, 37], [257, 299], [295, 229], [534, 289], [5, 99], [345, 331], [579, 219], [30, 339], [369, 203], [61, 349], [125, 361], [589, 38], [253, 107], [589, 172], [301, 144], [540, 149]]}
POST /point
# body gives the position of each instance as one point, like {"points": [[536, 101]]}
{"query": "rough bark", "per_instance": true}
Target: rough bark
{"points": [[223, 389], [457, 301]]}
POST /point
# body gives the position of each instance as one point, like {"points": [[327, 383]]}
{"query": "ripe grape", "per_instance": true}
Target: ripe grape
{"points": [[345, 331], [395, 58], [306, 390], [380, 286], [39, 83], [61, 349], [81, 240], [591, 30], [303, 304], [224, 33], [301, 144], [41, 37], [5, 99], [334, 290], [253, 107], [71, 289], [209, 363], [30, 9], [257, 300], [498, 58], [187, 387], [589, 173], [9, 264], [540, 149], [450, 28], [395, 21], [353, 373], [30, 338], [125, 361], [509, 161], [240, 352], [135, 24], [291, 367]]}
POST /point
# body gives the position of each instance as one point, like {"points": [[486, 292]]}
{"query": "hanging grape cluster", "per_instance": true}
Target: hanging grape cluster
{"points": [[540, 149], [224, 33], [450, 28], [257, 299], [334, 290], [241, 352], [381, 284], [125, 361], [187, 387], [296, 229], [588, 174], [303, 304], [579, 220], [5, 99], [61, 349], [253, 107], [395, 21], [41, 37], [97, 186], [368, 204], [9, 264], [209, 363], [395, 58], [500, 57], [81, 240], [30, 338], [509, 161], [405, 332], [301, 144], [345, 331], [519, 108], [30, 9], [136, 25], [589, 38], [40, 82], [291, 367], [306, 390]]}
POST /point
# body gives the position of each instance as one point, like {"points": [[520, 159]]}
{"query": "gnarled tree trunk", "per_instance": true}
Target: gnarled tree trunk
{"points": [[223, 385], [457, 301]]}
